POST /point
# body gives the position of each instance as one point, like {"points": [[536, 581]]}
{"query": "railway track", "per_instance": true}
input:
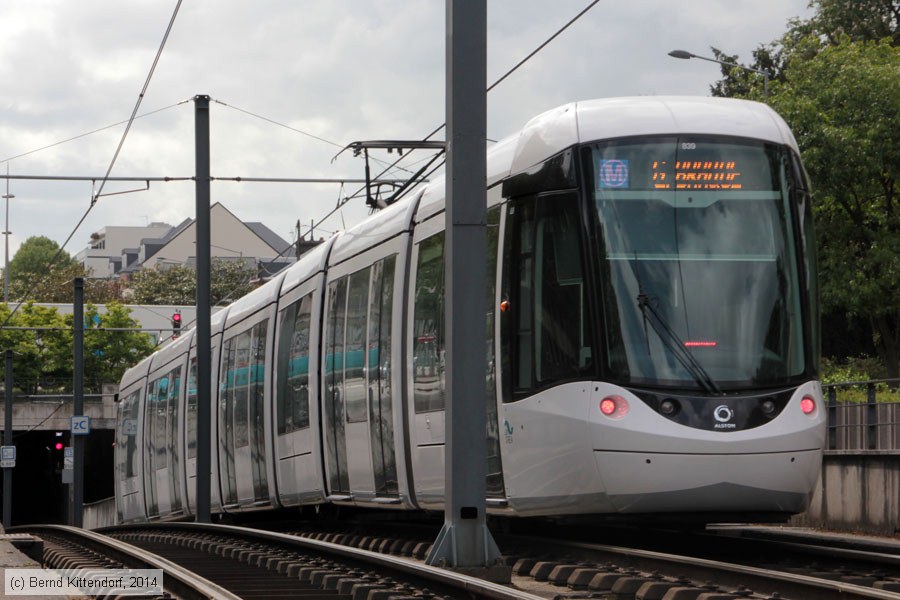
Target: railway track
{"points": [[733, 562], [362, 562], [245, 563], [622, 572], [78, 550]]}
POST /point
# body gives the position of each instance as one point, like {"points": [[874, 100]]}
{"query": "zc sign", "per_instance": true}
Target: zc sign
{"points": [[81, 425]]}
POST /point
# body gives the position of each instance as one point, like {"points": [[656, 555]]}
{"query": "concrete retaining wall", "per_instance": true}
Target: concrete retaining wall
{"points": [[99, 514], [857, 492], [48, 412]]}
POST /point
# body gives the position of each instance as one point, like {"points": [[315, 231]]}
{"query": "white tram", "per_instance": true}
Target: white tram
{"points": [[650, 318]]}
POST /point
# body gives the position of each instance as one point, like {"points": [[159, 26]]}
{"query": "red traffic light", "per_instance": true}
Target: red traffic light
{"points": [[59, 446]]}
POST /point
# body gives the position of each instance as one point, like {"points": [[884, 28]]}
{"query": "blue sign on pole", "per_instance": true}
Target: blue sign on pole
{"points": [[7, 456], [81, 425]]}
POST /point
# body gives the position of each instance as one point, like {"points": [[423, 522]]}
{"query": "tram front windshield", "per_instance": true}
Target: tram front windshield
{"points": [[700, 278]]}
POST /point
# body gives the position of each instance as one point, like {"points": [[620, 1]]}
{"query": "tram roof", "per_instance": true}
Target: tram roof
{"points": [[611, 118]]}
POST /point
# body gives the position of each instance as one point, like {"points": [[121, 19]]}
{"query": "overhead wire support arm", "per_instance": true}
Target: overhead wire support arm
{"points": [[169, 179], [362, 147], [146, 188]]}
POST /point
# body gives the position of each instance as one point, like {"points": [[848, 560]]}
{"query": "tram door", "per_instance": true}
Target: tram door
{"points": [[241, 418], [378, 378], [428, 356], [334, 401], [130, 504], [297, 466], [359, 437], [163, 473]]}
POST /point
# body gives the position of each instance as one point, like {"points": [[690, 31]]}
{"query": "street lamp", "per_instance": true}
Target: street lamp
{"points": [[686, 55]]}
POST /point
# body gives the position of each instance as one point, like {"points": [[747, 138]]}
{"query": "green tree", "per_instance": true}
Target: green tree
{"points": [[33, 277], [738, 82], [38, 355], [35, 254], [844, 108], [101, 291], [36, 265], [43, 354], [860, 20], [177, 284], [849, 146], [109, 350], [832, 21]]}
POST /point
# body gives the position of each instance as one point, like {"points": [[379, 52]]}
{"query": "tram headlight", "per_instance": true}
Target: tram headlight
{"points": [[768, 408], [668, 407], [808, 405], [614, 407]]}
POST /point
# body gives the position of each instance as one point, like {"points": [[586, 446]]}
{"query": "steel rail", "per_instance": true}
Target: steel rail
{"points": [[176, 579], [729, 574], [478, 588]]}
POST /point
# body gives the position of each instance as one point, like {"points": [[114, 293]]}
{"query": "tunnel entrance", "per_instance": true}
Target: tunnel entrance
{"points": [[38, 494]]}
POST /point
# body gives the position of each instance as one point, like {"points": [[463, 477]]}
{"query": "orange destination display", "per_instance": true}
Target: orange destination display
{"points": [[696, 175]]}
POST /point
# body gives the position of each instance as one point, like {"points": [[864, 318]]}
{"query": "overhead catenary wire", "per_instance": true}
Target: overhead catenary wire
{"points": [[170, 179], [356, 194], [274, 122], [517, 66], [289, 127], [87, 133], [543, 45], [340, 204], [112, 163], [137, 104]]}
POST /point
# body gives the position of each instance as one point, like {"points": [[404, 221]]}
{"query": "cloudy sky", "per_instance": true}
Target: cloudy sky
{"points": [[294, 80]]}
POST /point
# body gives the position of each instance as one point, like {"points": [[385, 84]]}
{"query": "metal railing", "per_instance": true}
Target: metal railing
{"points": [[862, 426]]}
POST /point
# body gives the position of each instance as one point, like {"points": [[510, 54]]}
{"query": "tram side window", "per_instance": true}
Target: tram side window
{"points": [[334, 354], [174, 378], [243, 385], [241, 390], [149, 422], [226, 392], [128, 437], [192, 410], [428, 326], [256, 383], [355, 349], [292, 395], [547, 319], [162, 416], [159, 426]]}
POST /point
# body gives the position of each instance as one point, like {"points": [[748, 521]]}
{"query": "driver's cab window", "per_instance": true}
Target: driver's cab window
{"points": [[545, 334]]}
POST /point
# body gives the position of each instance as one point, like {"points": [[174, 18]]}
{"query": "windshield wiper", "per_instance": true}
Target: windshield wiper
{"points": [[675, 345]]}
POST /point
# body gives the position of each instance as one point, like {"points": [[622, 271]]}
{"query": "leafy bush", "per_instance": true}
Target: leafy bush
{"points": [[861, 368]]}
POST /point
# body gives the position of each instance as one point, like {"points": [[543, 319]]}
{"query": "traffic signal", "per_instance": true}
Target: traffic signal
{"points": [[176, 324]]}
